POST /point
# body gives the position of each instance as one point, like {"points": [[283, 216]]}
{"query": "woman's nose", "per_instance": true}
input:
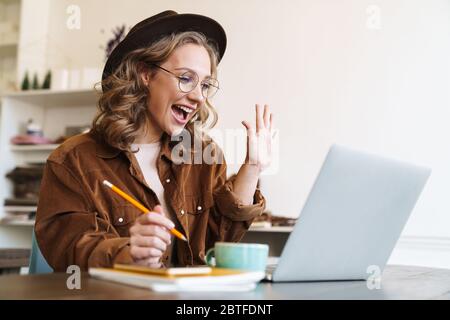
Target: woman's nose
{"points": [[196, 94]]}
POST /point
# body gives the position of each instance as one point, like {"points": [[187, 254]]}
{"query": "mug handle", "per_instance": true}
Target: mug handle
{"points": [[208, 257]]}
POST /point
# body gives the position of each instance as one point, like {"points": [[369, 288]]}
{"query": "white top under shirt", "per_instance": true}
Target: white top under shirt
{"points": [[146, 157]]}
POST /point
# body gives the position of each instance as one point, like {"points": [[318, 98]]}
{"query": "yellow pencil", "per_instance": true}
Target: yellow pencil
{"points": [[174, 231]]}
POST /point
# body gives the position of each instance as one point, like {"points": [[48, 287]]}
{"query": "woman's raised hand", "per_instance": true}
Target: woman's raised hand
{"points": [[259, 141]]}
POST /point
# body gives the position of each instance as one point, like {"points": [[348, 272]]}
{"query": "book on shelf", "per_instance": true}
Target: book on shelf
{"points": [[20, 202], [19, 209], [15, 217], [216, 279], [11, 218], [18, 213], [20, 206]]}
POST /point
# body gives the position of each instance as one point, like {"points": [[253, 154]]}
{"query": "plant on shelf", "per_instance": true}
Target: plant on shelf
{"points": [[25, 82], [47, 80], [35, 85], [118, 35]]}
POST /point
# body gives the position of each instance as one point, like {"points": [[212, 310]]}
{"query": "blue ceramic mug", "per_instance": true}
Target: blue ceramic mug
{"points": [[242, 256]]}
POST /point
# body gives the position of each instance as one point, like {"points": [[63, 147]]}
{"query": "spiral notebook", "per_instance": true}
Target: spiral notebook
{"points": [[189, 279]]}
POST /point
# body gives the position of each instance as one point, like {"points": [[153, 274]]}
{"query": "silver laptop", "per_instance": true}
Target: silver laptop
{"points": [[352, 219]]}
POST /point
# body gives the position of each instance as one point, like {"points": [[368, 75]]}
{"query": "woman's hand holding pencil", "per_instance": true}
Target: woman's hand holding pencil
{"points": [[149, 236]]}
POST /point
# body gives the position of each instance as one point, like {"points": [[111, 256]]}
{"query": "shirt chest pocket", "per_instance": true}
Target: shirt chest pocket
{"points": [[123, 216], [195, 205]]}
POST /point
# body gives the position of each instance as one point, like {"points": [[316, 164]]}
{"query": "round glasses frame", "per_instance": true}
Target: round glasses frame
{"points": [[207, 93]]}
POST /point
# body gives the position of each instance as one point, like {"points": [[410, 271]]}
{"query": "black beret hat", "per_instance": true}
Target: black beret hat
{"points": [[153, 28]]}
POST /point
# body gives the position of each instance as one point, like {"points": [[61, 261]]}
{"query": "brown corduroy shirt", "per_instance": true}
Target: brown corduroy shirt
{"points": [[81, 222]]}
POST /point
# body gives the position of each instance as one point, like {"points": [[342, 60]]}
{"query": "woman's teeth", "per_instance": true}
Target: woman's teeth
{"points": [[185, 109], [181, 111]]}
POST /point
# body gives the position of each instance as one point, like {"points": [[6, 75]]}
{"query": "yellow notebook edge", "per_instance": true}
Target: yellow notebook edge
{"points": [[210, 272], [195, 271]]}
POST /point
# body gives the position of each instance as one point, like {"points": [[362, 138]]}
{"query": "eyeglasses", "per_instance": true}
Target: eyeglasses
{"points": [[188, 81]]}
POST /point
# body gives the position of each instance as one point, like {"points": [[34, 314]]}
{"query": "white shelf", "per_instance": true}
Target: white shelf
{"points": [[19, 208], [39, 147], [271, 229], [27, 223], [8, 48], [9, 44], [55, 98], [17, 107]]}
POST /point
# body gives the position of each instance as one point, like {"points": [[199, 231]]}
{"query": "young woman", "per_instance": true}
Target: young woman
{"points": [[157, 85]]}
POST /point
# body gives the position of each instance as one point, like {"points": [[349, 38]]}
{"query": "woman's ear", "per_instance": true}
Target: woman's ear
{"points": [[145, 76], [144, 73]]}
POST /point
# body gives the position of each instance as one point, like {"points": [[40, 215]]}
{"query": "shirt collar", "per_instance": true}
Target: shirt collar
{"points": [[106, 151], [103, 149]]}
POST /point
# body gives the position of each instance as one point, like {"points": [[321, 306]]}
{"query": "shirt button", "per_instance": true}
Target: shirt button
{"points": [[199, 208], [167, 180], [120, 220], [182, 211]]}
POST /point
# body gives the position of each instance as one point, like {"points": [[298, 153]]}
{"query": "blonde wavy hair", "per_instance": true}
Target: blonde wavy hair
{"points": [[122, 106]]}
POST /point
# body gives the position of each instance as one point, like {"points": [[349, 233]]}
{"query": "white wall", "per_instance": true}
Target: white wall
{"points": [[33, 39], [329, 74]]}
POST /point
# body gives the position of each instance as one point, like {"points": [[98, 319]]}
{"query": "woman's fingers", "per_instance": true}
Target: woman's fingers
{"points": [[266, 116], [151, 242], [149, 237], [159, 209], [156, 218], [149, 231], [262, 117], [152, 262], [250, 133], [248, 127], [259, 118], [139, 253], [271, 122]]}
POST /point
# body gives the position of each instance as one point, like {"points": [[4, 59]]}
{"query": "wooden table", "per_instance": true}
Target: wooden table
{"points": [[398, 282]]}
